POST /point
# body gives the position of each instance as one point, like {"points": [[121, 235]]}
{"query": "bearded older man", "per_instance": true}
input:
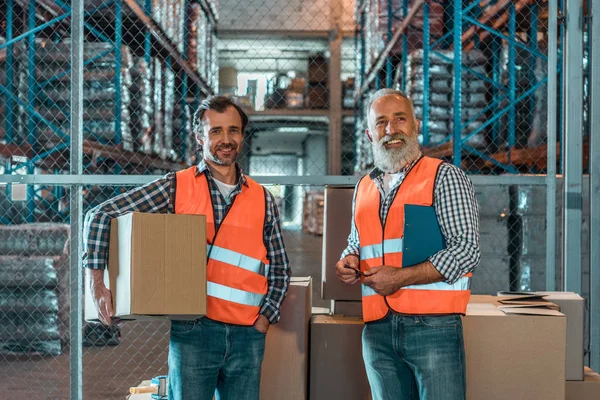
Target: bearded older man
{"points": [[412, 341]]}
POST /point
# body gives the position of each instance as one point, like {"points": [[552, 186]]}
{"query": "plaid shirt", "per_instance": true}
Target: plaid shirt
{"points": [[457, 213], [158, 197]]}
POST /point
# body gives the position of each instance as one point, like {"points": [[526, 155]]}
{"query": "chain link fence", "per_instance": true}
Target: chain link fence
{"points": [[476, 72], [303, 71]]}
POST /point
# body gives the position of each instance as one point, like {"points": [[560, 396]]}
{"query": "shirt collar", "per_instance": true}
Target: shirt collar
{"points": [[376, 173], [202, 167]]}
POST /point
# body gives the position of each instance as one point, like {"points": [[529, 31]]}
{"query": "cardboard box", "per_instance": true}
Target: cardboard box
{"points": [[156, 267], [298, 85], [285, 366], [508, 356], [318, 69], [317, 96], [336, 228], [513, 356], [348, 308], [337, 370], [588, 389], [573, 306]]}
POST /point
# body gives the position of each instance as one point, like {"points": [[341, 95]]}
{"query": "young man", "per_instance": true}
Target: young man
{"points": [[247, 271], [412, 342]]}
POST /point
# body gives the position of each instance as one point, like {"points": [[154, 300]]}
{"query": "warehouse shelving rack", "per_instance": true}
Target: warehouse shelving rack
{"points": [[470, 28], [123, 22]]}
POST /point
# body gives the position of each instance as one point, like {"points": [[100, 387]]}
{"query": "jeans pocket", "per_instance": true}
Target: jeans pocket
{"points": [[182, 326], [257, 331], [440, 321]]}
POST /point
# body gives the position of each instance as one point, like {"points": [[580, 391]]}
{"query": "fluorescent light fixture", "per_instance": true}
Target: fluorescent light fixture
{"points": [[292, 129]]}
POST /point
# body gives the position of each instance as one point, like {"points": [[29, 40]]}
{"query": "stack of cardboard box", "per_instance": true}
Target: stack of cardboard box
{"points": [[317, 92], [523, 351], [313, 212]]}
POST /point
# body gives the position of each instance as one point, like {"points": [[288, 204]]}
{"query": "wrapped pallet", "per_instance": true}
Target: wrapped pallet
{"points": [[195, 15], [169, 104], [184, 142], [34, 288], [140, 108], [158, 127], [441, 94]]}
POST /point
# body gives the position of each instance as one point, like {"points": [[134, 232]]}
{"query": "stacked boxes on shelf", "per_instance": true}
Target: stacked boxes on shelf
{"points": [[317, 93], [441, 94], [170, 16], [312, 221], [197, 37], [169, 103], [159, 112], [52, 94], [184, 142], [348, 93], [202, 51]]}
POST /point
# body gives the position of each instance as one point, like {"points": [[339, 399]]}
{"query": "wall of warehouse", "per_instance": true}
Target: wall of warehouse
{"points": [[294, 15]]}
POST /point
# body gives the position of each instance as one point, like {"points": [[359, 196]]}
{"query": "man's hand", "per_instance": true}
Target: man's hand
{"points": [[262, 324], [346, 275], [102, 297], [385, 279]]}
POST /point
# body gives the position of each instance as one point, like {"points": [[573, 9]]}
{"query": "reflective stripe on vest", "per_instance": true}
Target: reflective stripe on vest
{"points": [[374, 250], [231, 257], [462, 283], [237, 263], [367, 290], [234, 295]]}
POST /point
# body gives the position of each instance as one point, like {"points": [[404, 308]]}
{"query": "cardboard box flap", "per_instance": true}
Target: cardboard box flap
{"points": [[561, 296], [520, 295], [537, 306], [301, 280], [483, 309], [542, 311]]}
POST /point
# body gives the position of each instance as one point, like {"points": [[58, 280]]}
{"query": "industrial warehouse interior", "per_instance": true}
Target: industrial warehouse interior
{"points": [[105, 105]]}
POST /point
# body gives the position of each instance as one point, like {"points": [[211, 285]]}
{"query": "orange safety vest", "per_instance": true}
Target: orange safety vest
{"points": [[381, 244], [237, 266]]}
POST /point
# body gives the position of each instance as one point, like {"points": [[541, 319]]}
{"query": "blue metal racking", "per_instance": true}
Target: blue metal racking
{"points": [[469, 28], [130, 24]]}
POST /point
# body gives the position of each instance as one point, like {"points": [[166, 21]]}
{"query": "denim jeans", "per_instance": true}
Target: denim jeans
{"points": [[415, 357], [209, 358]]}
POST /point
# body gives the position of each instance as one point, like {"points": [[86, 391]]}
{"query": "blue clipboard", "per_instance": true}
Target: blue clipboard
{"points": [[422, 234]]}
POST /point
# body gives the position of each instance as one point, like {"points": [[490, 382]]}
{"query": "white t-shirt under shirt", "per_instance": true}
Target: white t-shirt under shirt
{"points": [[225, 189], [390, 180]]}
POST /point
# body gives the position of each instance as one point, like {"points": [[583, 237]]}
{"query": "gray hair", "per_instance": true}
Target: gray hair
{"points": [[389, 92]]}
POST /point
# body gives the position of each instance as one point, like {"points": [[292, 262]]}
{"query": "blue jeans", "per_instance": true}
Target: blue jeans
{"points": [[209, 358], [415, 357]]}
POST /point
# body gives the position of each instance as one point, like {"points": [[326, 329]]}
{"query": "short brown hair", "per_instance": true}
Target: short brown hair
{"points": [[218, 104]]}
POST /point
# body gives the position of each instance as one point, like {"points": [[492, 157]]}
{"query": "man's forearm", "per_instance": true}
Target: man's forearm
{"points": [[420, 274]]}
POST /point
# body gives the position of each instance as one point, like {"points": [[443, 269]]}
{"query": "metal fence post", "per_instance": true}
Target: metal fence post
{"points": [[76, 201]]}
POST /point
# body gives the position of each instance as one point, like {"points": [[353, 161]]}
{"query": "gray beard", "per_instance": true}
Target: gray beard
{"points": [[393, 160]]}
